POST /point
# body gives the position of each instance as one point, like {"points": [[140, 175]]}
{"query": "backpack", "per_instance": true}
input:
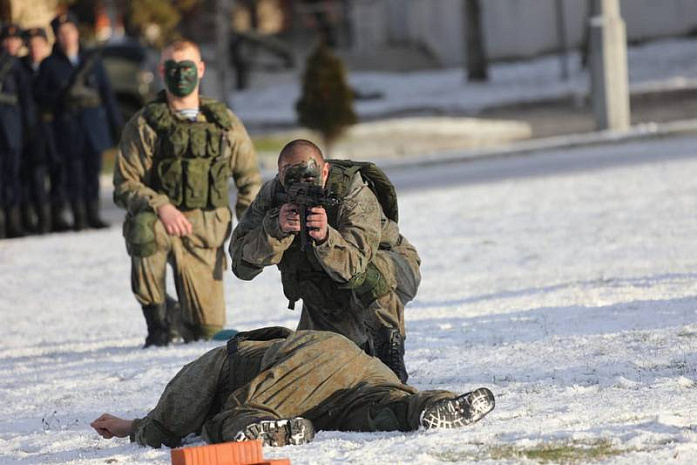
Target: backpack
{"points": [[342, 173]]}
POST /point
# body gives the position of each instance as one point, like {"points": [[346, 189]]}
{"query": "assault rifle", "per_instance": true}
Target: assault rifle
{"points": [[76, 95], [306, 195]]}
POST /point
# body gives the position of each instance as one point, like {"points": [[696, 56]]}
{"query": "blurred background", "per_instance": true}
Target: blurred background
{"points": [[425, 76]]}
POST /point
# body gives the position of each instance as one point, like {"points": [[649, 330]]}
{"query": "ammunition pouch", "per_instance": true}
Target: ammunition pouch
{"points": [[369, 285], [195, 183], [139, 232]]}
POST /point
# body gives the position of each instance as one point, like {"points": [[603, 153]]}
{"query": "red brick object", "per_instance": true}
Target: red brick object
{"points": [[227, 453]]}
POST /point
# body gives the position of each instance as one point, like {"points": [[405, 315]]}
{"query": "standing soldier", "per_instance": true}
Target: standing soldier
{"points": [[74, 85], [16, 116], [172, 171], [37, 154]]}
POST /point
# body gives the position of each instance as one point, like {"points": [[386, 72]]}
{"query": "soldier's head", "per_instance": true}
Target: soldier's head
{"points": [[11, 35], [37, 44], [302, 161], [67, 34], [181, 68]]}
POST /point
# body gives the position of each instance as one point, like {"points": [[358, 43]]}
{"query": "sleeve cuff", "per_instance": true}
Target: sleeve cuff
{"points": [[324, 249], [272, 227]]}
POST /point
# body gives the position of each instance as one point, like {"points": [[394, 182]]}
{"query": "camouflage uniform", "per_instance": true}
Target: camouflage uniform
{"points": [[318, 375], [154, 142], [361, 242]]}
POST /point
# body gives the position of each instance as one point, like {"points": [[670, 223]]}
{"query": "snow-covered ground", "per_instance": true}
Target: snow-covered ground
{"points": [[572, 296], [653, 66]]}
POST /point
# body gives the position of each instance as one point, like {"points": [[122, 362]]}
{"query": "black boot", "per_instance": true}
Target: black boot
{"points": [[58, 221], [158, 326], [14, 223], [390, 350], [93, 219], [79, 215], [3, 229], [29, 222], [43, 225]]}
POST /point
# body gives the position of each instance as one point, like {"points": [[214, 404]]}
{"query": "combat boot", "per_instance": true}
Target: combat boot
{"points": [[93, 219], [390, 350], [460, 411], [43, 225], [79, 215], [29, 222], [158, 326], [58, 221], [278, 433], [14, 223]]}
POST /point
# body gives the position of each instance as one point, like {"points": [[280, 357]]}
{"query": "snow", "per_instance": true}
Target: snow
{"points": [[571, 295], [654, 66]]}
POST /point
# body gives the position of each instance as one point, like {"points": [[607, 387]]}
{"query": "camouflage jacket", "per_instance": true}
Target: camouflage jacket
{"points": [[321, 274]]}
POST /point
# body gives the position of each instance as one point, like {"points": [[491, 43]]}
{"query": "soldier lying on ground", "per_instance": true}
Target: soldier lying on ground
{"points": [[279, 386]]}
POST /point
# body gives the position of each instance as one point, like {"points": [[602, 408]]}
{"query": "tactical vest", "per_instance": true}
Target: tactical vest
{"points": [[303, 276], [192, 159]]}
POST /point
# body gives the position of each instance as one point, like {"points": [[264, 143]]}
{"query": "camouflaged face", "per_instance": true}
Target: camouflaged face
{"points": [[308, 171], [181, 77]]}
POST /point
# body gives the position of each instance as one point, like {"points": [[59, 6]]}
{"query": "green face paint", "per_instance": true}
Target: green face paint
{"points": [[181, 77], [308, 171]]}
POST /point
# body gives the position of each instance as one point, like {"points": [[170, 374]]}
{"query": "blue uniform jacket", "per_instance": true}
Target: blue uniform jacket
{"points": [[14, 119], [93, 126]]}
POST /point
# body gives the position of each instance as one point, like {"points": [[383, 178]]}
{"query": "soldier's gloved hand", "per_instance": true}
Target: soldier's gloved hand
{"points": [[317, 224], [289, 218], [174, 221]]}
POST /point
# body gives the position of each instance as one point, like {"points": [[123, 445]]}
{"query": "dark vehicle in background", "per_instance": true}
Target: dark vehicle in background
{"points": [[132, 70]]}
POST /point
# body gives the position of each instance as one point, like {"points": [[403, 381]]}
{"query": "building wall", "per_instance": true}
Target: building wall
{"points": [[33, 13], [513, 28]]}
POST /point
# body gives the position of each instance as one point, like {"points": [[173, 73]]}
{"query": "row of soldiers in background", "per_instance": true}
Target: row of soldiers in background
{"points": [[57, 115]]}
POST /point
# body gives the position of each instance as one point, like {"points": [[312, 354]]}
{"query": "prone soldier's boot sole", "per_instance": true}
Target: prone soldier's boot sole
{"points": [[278, 433], [460, 411]]}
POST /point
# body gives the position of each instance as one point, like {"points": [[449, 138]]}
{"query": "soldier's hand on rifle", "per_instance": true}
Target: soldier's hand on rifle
{"points": [[317, 224], [176, 224], [289, 218]]}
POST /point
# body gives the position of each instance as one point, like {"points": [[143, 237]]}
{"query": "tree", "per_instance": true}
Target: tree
{"points": [[476, 53], [326, 103]]}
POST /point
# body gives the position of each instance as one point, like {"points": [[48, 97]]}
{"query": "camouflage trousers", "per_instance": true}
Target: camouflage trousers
{"points": [[321, 376], [198, 262]]}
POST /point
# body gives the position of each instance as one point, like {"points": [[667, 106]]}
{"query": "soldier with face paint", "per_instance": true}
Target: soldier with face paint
{"points": [[358, 273], [173, 166]]}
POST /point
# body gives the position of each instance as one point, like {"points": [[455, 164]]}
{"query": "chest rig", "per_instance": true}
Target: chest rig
{"points": [[192, 158]]}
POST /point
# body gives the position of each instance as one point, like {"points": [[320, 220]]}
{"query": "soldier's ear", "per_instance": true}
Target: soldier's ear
{"points": [[201, 69], [325, 173]]}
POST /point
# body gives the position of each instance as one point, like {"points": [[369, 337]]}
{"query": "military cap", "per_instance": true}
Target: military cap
{"points": [[62, 19], [35, 32], [10, 30]]}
